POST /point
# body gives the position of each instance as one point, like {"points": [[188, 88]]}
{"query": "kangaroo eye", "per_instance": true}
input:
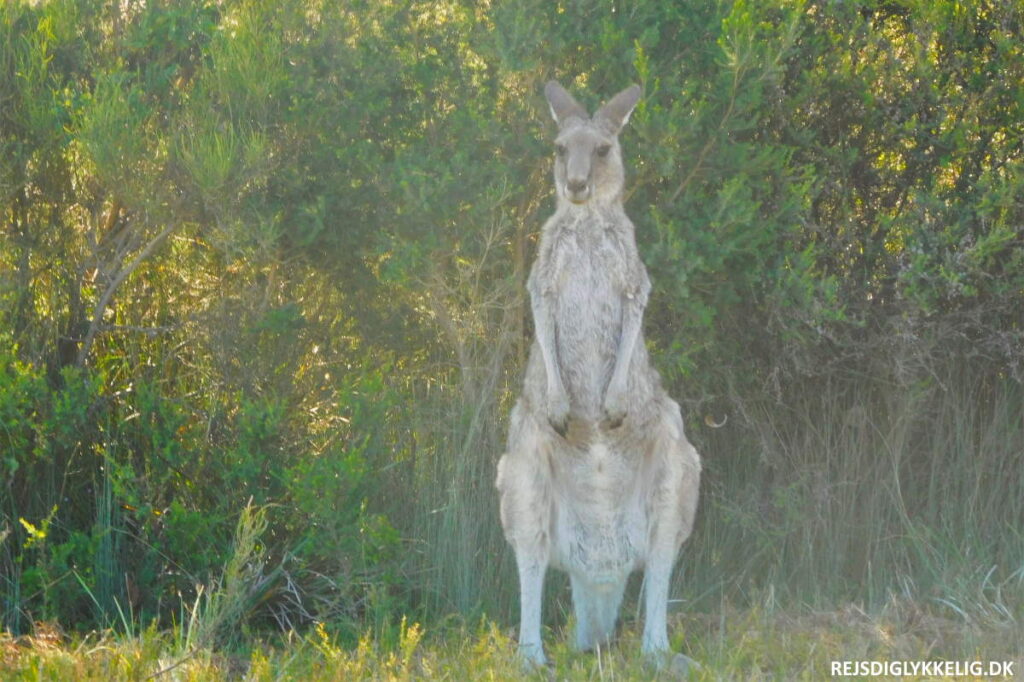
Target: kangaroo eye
{"points": [[603, 150], [560, 149]]}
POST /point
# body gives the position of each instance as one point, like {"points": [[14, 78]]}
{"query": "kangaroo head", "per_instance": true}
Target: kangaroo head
{"points": [[588, 161]]}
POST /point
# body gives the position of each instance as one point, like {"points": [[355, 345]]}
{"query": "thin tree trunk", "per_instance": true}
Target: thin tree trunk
{"points": [[115, 282]]}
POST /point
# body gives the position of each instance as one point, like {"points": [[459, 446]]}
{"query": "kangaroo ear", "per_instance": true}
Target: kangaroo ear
{"points": [[563, 106], [615, 112]]}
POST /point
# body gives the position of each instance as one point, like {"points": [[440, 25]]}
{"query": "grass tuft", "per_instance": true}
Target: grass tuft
{"points": [[732, 644]]}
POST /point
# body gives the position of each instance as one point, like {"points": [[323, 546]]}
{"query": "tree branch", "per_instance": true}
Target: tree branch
{"points": [[112, 286]]}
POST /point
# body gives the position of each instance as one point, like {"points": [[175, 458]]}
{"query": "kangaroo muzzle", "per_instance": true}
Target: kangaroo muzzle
{"points": [[577, 191]]}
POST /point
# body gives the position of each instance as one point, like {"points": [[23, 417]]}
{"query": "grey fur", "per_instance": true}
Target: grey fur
{"points": [[563, 105], [598, 478]]}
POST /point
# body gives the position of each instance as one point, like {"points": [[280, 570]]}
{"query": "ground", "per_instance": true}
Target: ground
{"points": [[762, 643]]}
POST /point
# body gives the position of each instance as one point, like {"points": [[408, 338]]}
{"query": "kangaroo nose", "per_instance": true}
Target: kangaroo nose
{"points": [[576, 186]]}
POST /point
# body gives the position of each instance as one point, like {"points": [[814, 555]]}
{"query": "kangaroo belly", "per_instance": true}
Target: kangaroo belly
{"points": [[599, 525]]}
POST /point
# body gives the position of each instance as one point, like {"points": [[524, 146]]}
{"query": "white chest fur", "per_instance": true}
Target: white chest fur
{"points": [[589, 260]]}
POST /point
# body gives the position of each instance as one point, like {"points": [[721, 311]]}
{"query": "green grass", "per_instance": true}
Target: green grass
{"points": [[761, 643]]}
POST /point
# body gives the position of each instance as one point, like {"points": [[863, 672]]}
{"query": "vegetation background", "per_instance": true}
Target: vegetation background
{"points": [[265, 261]]}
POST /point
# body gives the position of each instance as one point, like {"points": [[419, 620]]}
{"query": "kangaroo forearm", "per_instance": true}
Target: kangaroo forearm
{"points": [[544, 323], [634, 302], [631, 324]]}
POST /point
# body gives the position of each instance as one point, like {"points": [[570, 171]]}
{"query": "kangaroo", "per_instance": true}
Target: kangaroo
{"points": [[598, 478]]}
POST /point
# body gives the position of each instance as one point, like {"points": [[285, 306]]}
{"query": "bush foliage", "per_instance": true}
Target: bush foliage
{"points": [[273, 253]]}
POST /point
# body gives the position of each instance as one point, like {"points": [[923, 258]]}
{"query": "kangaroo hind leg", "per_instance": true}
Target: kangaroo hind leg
{"points": [[524, 485], [673, 505]]}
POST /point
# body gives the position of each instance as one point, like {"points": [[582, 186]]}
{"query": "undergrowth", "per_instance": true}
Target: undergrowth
{"points": [[760, 643], [761, 640]]}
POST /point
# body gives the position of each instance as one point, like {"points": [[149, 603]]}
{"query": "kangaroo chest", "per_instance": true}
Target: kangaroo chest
{"points": [[588, 269]]}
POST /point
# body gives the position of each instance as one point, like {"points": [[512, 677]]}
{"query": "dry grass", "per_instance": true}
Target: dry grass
{"points": [[764, 643]]}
